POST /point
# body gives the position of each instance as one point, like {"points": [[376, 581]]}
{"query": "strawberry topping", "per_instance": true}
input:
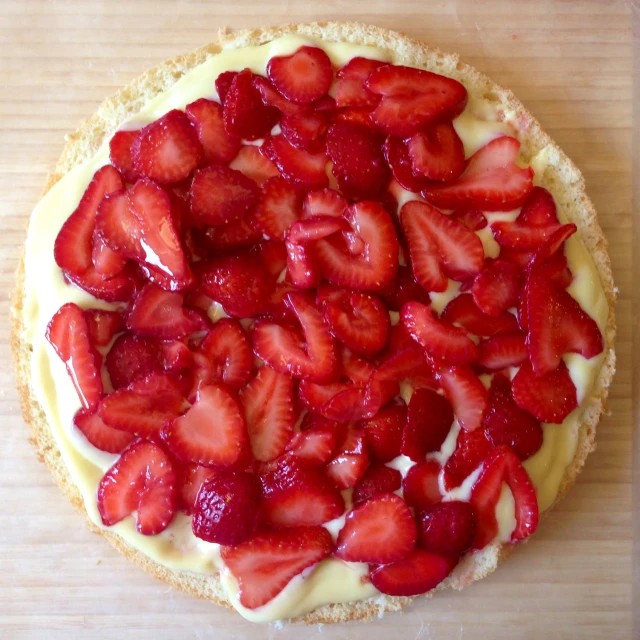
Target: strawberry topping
{"points": [[447, 529], [100, 435], [420, 486], [437, 153]]}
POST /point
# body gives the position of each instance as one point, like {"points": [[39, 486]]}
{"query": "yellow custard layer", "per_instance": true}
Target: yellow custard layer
{"points": [[330, 581]]}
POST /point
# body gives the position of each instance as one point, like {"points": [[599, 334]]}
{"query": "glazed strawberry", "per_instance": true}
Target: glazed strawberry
{"points": [[516, 235], [227, 508], [99, 434], [315, 228], [378, 479], [348, 405], [429, 420], [220, 195], [417, 573], [144, 406], [168, 149], [403, 290], [497, 287], [471, 218], [463, 311], [439, 340], [466, 394], [324, 202], [557, 325], [350, 460], [273, 98], [120, 153], [358, 162], [380, 530], [420, 487], [296, 494], [298, 166], [141, 480], [302, 266], [314, 446], [211, 432], [555, 269], [383, 432], [502, 352], [351, 90], [539, 209], [413, 98], [228, 350], [131, 358], [439, 246], [358, 118], [175, 355], [437, 153], [304, 76], [254, 164], [549, 397], [265, 564], [103, 325], [503, 466], [491, 181], [269, 412], [278, 208], [504, 423], [223, 84], [472, 448], [273, 255], [68, 334], [245, 115], [218, 146], [397, 156], [552, 245], [305, 132], [237, 234], [447, 529], [191, 478], [107, 262]]}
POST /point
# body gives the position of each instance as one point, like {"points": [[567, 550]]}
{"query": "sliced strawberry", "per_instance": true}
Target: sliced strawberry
{"points": [[472, 448], [277, 209], [254, 164], [304, 76], [417, 573], [466, 394], [471, 218], [413, 98], [503, 466], [306, 132], [550, 397], [358, 162], [265, 564], [192, 477], [314, 446], [99, 434], [497, 287], [302, 267], [211, 432], [348, 405], [463, 311], [223, 84], [397, 156], [491, 181], [68, 334], [383, 432], [120, 153], [351, 90], [324, 202], [502, 352], [380, 530], [437, 153], [350, 462], [552, 245], [521, 237], [420, 486], [539, 209], [237, 234], [298, 166], [103, 325], [273, 255], [403, 290], [107, 262], [429, 420], [175, 355], [555, 269], [439, 246], [218, 146], [357, 117], [141, 480], [273, 98], [131, 358], [315, 228], [519, 257], [447, 529], [378, 479]]}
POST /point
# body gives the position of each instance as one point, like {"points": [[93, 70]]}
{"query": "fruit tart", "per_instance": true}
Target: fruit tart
{"points": [[314, 320]]}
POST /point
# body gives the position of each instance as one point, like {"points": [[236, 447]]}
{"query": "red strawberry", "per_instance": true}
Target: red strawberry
{"points": [[237, 234], [403, 290], [552, 245], [269, 413], [176, 355], [415, 574], [227, 508], [420, 486], [351, 90], [218, 146], [518, 236], [168, 149], [555, 269], [325, 202], [223, 84], [103, 325], [550, 397], [439, 340], [99, 434], [463, 311], [472, 447], [503, 466], [265, 564], [228, 350], [220, 195], [120, 153], [504, 423], [497, 287], [358, 162], [429, 420], [350, 462], [491, 181], [302, 267], [503, 351], [413, 98], [437, 153], [273, 255], [144, 406], [348, 404], [107, 262], [539, 209], [383, 432], [254, 164], [192, 477], [273, 98], [466, 394], [316, 228], [448, 528], [211, 432], [304, 76], [397, 156], [305, 132], [557, 325], [440, 247], [245, 115], [130, 358], [277, 209], [68, 334], [378, 479], [380, 530], [471, 218], [298, 166], [314, 446], [296, 494], [357, 117], [519, 257]]}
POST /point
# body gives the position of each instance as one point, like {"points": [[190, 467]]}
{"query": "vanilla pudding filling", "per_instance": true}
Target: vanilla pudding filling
{"points": [[331, 580]]}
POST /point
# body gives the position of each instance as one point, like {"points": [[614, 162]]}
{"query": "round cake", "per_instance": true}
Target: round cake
{"points": [[312, 321]]}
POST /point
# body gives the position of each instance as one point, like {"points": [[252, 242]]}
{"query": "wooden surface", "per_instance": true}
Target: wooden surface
{"points": [[570, 62]]}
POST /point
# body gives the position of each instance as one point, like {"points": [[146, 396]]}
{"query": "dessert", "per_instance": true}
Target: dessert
{"points": [[338, 322]]}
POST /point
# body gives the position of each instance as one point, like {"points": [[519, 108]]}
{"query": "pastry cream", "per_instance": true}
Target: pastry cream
{"points": [[331, 580]]}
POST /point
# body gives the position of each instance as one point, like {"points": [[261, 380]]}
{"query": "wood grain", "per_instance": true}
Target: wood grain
{"points": [[570, 62]]}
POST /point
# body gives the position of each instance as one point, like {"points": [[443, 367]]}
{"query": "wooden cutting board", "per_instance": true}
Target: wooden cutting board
{"points": [[570, 63]]}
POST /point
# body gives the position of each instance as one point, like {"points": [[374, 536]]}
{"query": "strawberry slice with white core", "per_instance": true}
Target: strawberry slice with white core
{"points": [[420, 486], [265, 564], [502, 352], [212, 432], [100, 435], [141, 480], [314, 446], [278, 208], [271, 97], [466, 394], [491, 181], [68, 334], [302, 268], [315, 228], [497, 287], [298, 166], [463, 311], [324, 202], [381, 530], [350, 89], [304, 76], [350, 461], [218, 146], [254, 164], [103, 325], [107, 262], [437, 153]]}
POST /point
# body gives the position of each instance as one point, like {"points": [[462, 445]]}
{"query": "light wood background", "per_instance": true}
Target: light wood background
{"points": [[570, 62]]}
